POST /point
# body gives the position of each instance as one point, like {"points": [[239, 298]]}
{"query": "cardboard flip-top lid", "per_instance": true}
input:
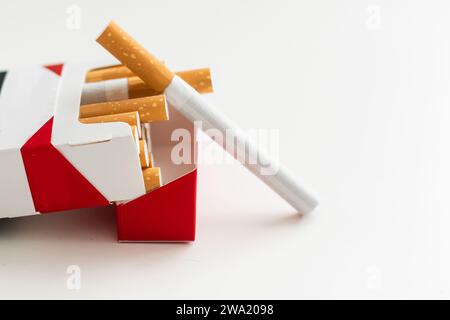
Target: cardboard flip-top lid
{"points": [[39, 107]]}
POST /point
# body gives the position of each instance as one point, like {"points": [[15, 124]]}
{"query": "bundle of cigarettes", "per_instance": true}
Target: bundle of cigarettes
{"points": [[115, 94]]}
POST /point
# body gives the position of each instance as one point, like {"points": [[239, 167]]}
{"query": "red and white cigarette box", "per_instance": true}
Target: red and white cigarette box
{"points": [[50, 162]]}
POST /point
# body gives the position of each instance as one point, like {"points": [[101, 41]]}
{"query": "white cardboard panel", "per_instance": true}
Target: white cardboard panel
{"points": [[15, 195], [26, 103], [105, 154], [162, 146]]}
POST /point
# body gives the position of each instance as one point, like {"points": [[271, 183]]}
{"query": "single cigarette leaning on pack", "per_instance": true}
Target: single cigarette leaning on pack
{"points": [[196, 108], [152, 178], [133, 87], [150, 109]]}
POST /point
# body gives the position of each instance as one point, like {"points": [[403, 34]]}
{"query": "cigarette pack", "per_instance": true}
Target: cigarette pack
{"points": [[51, 162]]}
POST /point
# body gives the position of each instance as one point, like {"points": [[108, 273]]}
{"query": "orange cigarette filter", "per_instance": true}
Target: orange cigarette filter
{"points": [[135, 57], [138, 89], [152, 178], [150, 109], [199, 79], [132, 118], [109, 73], [143, 154]]}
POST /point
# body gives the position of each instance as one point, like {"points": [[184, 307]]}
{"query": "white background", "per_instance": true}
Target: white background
{"points": [[360, 91]]}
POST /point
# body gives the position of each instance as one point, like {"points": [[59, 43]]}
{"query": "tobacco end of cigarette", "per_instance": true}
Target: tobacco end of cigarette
{"points": [[122, 46]]}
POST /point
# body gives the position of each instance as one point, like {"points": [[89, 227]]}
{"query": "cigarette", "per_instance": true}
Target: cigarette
{"points": [[131, 54], [146, 133], [143, 154], [151, 161], [109, 73], [196, 108], [150, 109], [136, 136], [134, 87], [136, 133], [199, 79], [132, 118], [152, 178]]}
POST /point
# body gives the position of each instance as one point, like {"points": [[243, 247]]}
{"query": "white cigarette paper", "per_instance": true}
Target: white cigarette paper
{"points": [[194, 107], [110, 90]]}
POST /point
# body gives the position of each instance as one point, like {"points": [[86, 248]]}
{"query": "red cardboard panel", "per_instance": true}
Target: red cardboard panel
{"points": [[166, 214], [56, 68], [55, 184]]}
